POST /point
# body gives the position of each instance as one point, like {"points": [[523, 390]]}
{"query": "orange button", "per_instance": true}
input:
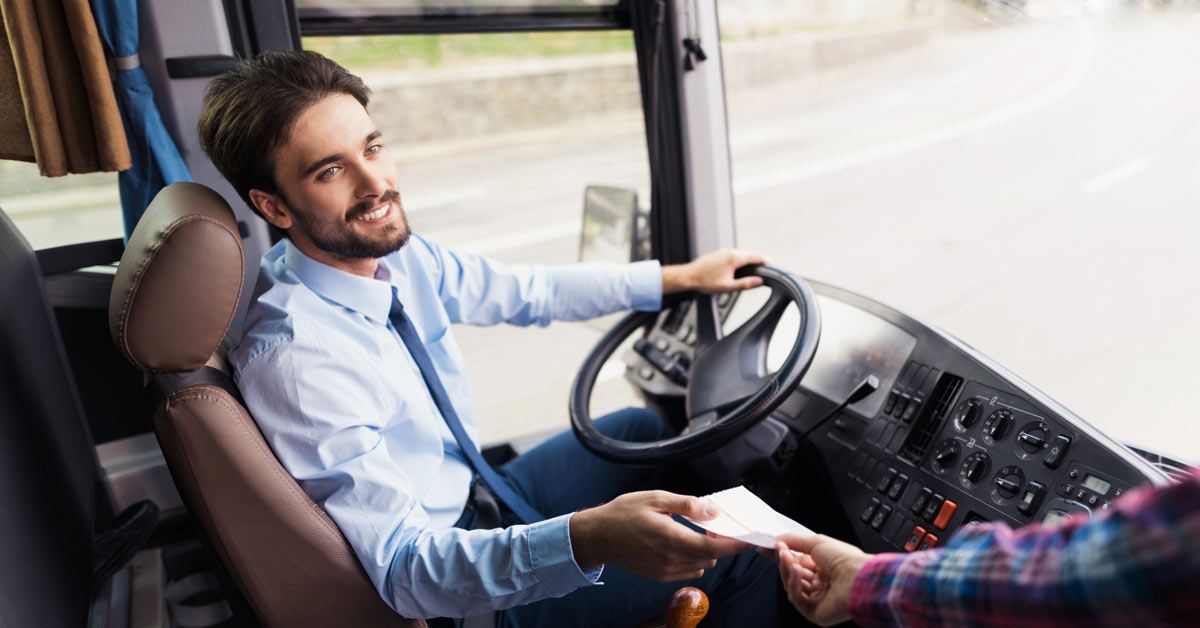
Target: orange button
{"points": [[943, 516], [914, 539], [929, 541]]}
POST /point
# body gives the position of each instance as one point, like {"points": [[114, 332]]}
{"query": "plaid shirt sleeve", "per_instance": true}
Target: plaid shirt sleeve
{"points": [[1137, 564]]}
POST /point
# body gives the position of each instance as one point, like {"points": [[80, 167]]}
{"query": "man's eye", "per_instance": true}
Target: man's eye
{"points": [[327, 173], [374, 148]]}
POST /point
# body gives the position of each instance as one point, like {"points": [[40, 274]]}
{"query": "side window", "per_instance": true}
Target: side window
{"points": [[496, 137], [58, 211]]}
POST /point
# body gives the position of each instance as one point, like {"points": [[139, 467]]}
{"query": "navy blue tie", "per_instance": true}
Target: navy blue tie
{"points": [[487, 474]]}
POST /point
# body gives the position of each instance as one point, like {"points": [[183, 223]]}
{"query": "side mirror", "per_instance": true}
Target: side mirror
{"points": [[615, 229]]}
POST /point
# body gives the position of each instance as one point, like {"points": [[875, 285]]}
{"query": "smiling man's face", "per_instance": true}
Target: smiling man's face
{"points": [[338, 199]]}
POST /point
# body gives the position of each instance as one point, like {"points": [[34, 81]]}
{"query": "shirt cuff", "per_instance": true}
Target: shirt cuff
{"points": [[645, 278], [552, 558]]}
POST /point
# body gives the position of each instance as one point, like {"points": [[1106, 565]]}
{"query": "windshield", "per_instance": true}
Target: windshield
{"points": [[1023, 175]]}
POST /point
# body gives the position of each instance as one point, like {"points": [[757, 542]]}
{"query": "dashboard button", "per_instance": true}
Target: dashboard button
{"points": [[1032, 498], [944, 515], [1058, 449], [881, 517], [932, 508], [914, 539], [922, 499], [929, 541], [914, 406], [893, 397], [898, 486], [870, 510], [886, 480], [901, 404]]}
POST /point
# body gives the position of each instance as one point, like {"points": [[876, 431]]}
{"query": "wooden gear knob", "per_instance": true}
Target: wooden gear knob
{"points": [[688, 606]]}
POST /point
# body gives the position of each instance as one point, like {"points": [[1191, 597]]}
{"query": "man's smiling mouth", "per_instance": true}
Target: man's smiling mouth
{"points": [[375, 214]]}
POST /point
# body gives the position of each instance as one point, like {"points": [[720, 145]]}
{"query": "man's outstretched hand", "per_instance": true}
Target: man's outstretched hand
{"points": [[818, 573], [636, 533], [712, 273]]}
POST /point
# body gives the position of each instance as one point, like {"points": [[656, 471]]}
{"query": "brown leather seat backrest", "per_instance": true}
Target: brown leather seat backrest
{"points": [[174, 296]]}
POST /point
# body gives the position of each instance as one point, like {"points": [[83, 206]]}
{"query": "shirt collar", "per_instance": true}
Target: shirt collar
{"points": [[371, 297]]}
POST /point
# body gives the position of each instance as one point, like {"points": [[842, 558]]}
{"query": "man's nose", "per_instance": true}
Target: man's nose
{"points": [[372, 181]]}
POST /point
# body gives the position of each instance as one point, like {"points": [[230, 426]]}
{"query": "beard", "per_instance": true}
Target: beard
{"points": [[338, 237]]}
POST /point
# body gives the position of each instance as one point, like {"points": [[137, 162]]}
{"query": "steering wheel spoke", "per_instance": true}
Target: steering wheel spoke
{"points": [[708, 322], [762, 323]]}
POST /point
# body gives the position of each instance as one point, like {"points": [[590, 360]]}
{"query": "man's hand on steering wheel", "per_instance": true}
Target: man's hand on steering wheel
{"points": [[712, 273]]}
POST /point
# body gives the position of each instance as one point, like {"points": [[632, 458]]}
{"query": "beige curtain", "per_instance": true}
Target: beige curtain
{"points": [[57, 106]]}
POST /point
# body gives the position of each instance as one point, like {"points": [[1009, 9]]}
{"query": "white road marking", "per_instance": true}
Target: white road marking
{"points": [[1114, 176], [1070, 80]]}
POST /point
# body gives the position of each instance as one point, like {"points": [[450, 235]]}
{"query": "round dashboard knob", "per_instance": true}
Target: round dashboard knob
{"points": [[969, 413], [945, 456], [1008, 485], [974, 469], [998, 424], [1032, 438]]}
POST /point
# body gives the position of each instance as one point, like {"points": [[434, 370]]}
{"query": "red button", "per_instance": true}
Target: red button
{"points": [[943, 516], [914, 539], [929, 541]]}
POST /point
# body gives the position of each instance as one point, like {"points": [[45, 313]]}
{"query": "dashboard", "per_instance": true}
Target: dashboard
{"points": [[949, 438]]}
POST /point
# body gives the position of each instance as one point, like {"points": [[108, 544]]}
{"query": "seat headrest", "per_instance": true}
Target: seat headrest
{"points": [[179, 281]]}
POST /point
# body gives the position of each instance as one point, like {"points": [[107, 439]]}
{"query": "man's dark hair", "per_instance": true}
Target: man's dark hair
{"points": [[249, 112]]}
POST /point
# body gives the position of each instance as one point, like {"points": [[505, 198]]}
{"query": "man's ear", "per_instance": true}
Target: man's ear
{"points": [[272, 208]]}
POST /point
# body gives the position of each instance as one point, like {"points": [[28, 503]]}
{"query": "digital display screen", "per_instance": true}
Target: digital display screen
{"points": [[1053, 517], [1093, 483]]}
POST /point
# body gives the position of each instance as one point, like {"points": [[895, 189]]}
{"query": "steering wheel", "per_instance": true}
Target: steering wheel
{"points": [[728, 390]]}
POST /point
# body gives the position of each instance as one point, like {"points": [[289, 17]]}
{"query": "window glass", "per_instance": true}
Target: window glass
{"points": [[1022, 174], [56, 211], [496, 137]]}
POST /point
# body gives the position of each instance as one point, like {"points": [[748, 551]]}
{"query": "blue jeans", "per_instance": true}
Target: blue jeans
{"points": [[560, 476]]}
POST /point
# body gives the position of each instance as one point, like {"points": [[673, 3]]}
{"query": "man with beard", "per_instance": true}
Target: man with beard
{"points": [[349, 366]]}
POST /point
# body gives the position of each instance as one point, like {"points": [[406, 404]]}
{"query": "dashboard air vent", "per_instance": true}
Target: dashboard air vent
{"points": [[930, 420]]}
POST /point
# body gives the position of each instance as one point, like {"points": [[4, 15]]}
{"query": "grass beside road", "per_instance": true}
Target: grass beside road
{"points": [[414, 52]]}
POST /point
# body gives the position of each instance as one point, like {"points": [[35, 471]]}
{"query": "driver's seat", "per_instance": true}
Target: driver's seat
{"points": [[173, 299]]}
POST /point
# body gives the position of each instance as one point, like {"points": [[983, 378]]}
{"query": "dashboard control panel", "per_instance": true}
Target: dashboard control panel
{"points": [[949, 439]]}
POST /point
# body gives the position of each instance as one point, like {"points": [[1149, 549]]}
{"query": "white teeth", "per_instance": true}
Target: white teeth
{"points": [[375, 214]]}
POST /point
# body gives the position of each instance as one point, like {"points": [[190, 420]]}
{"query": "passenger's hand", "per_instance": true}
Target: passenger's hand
{"points": [[636, 532], [712, 273], [818, 575]]}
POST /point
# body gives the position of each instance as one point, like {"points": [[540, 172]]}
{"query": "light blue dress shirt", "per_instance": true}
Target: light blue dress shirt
{"points": [[344, 407]]}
